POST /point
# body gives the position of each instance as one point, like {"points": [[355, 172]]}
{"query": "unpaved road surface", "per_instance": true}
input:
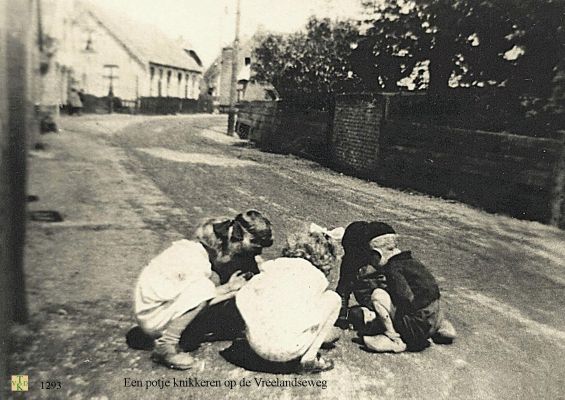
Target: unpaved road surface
{"points": [[127, 186]]}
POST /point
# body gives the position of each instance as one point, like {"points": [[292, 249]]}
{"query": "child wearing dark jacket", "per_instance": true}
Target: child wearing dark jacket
{"points": [[399, 297]]}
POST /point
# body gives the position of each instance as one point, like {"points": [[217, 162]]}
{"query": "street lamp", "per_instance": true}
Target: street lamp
{"points": [[233, 86], [111, 78]]}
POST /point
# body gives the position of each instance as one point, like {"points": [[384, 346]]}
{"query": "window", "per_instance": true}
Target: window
{"points": [[195, 89], [247, 61], [179, 86], [160, 83], [169, 74], [89, 42], [151, 76]]}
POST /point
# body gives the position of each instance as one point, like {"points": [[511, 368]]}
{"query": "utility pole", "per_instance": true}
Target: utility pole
{"points": [[111, 78], [16, 81], [233, 86]]}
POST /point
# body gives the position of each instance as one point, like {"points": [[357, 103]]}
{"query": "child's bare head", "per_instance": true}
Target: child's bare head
{"points": [[224, 238], [253, 231], [317, 247], [206, 234]]}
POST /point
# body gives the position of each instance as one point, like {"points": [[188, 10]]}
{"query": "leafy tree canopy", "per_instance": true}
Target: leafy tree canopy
{"points": [[435, 44], [311, 63]]}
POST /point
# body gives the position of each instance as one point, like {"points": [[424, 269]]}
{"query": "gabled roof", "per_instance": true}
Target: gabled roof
{"points": [[144, 42]]}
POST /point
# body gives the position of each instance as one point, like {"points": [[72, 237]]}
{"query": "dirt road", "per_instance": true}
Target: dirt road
{"points": [[127, 186]]}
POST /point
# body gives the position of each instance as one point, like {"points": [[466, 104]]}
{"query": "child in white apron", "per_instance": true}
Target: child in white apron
{"points": [[287, 309], [178, 285]]}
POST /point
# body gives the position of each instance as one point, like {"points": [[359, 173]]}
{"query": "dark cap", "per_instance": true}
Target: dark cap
{"points": [[376, 229], [354, 236]]}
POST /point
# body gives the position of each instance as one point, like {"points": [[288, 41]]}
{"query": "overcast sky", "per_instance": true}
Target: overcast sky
{"points": [[210, 24]]}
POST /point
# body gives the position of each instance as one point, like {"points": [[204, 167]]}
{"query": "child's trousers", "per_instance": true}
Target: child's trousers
{"points": [[416, 328]]}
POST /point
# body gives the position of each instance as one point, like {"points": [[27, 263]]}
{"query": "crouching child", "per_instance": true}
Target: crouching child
{"points": [[187, 283], [288, 310], [399, 297]]}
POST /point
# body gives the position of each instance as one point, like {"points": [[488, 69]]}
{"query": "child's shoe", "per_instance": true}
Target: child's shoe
{"points": [[365, 321], [316, 366], [387, 343], [139, 340], [333, 336], [357, 317], [445, 334], [168, 355]]}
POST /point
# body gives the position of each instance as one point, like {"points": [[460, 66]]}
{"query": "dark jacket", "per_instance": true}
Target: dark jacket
{"points": [[409, 283], [347, 276], [412, 288], [354, 258], [243, 263]]}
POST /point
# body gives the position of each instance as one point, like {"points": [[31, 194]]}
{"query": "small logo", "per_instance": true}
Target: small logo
{"points": [[19, 383]]}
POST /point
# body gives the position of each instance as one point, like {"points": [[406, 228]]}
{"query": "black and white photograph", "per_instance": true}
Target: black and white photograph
{"points": [[282, 199]]}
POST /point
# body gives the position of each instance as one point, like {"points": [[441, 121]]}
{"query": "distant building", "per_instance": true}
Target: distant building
{"points": [[95, 47], [217, 78]]}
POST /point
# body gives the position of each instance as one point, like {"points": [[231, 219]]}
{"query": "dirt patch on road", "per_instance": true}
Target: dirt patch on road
{"points": [[196, 158]]}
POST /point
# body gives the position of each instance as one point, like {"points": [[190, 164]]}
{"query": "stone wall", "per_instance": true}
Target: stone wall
{"points": [[499, 172], [354, 140], [522, 176], [282, 128]]}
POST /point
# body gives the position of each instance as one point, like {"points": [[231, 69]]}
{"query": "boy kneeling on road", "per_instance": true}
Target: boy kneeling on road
{"points": [[399, 297]]}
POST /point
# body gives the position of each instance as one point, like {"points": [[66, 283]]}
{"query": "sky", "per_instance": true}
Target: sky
{"points": [[210, 24]]}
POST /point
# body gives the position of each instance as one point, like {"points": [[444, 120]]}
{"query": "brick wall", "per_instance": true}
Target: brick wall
{"points": [[256, 119], [282, 128], [522, 176], [354, 140], [500, 172], [169, 105]]}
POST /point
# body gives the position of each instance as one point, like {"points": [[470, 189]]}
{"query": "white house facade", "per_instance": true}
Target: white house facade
{"points": [[97, 50]]}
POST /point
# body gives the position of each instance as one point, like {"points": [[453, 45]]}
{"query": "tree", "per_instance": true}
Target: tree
{"points": [[310, 64], [512, 43], [387, 51]]}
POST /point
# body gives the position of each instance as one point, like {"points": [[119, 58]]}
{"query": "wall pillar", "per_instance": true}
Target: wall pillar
{"points": [[557, 203]]}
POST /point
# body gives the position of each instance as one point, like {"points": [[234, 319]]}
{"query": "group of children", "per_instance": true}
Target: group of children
{"points": [[217, 281]]}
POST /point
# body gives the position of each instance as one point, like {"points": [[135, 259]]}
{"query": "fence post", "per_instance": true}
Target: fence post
{"points": [[386, 108], [557, 192], [330, 128]]}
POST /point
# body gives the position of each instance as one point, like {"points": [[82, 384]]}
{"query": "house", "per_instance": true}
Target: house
{"points": [[99, 51], [217, 78]]}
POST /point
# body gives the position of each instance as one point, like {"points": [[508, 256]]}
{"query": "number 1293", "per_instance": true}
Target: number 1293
{"points": [[51, 385]]}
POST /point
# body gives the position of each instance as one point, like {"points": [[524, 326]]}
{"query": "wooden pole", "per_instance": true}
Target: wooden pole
{"points": [[18, 85], [234, 61], [15, 117], [5, 310]]}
